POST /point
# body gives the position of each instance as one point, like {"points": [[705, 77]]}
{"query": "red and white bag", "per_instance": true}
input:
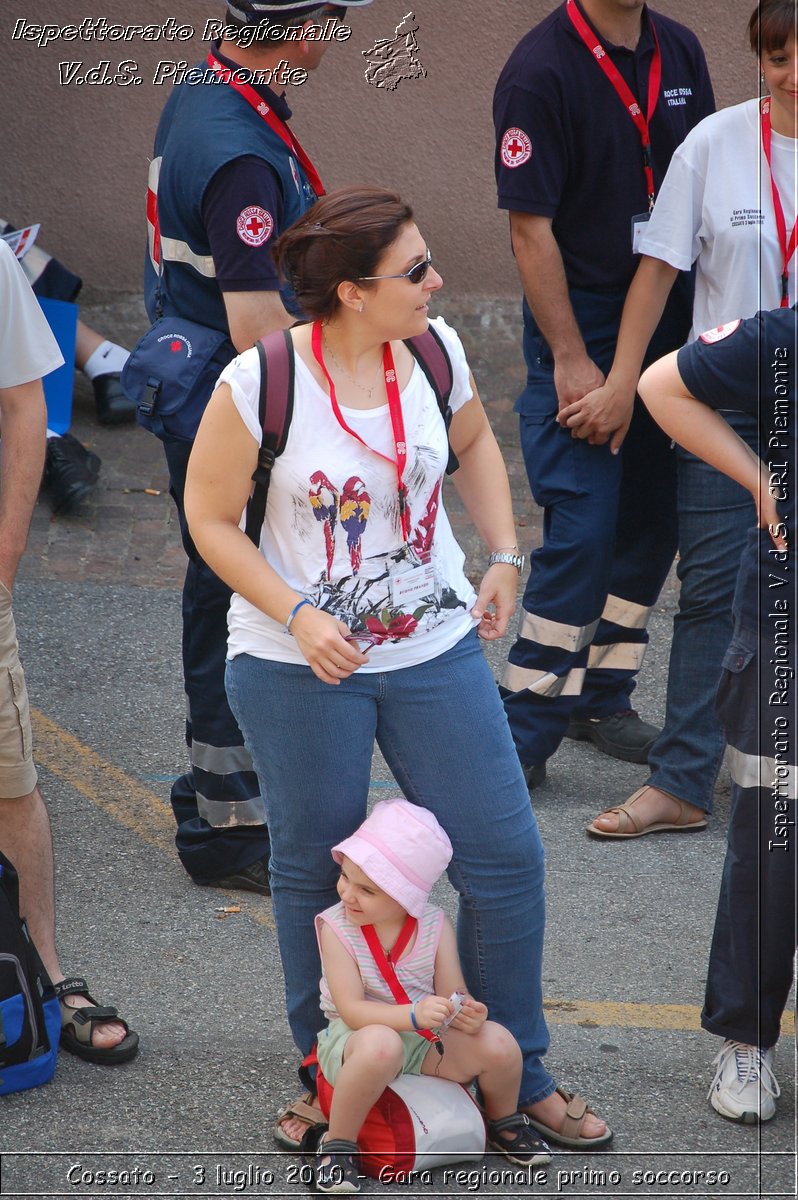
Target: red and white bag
{"points": [[419, 1122]]}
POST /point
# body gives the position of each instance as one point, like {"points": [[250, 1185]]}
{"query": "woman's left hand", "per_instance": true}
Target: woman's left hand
{"points": [[767, 514], [497, 592], [471, 1017]]}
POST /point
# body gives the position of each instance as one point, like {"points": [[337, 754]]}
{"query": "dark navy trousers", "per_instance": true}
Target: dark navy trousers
{"points": [[751, 961], [609, 538], [217, 805]]}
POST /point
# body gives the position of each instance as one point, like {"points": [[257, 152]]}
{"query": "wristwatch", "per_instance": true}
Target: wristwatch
{"points": [[504, 556]]}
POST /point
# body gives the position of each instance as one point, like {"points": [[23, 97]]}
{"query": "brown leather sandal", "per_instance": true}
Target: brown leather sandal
{"points": [[628, 826]]}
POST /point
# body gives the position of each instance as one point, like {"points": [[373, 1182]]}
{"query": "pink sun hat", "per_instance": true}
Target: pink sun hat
{"points": [[402, 848]]}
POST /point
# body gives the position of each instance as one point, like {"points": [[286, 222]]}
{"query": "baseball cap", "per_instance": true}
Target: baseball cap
{"points": [[251, 11], [402, 848]]}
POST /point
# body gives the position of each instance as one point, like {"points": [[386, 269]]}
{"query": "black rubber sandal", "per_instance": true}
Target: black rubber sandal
{"points": [[524, 1148], [339, 1174], [77, 1026]]}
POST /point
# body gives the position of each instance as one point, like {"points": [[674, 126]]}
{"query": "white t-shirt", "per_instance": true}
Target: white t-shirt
{"points": [[28, 349], [716, 206], [332, 519]]}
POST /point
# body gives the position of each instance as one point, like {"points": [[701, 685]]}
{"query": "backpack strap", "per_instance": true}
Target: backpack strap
{"points": [[275, 407], [432, 356], [276, 404]]}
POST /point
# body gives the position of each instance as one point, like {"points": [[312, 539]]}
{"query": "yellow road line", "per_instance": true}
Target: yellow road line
{"points": [[116, 793], [146, 815], [595, 1014]]}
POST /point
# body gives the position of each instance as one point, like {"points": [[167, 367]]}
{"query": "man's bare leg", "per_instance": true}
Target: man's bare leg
{"points": [[26, 840]]}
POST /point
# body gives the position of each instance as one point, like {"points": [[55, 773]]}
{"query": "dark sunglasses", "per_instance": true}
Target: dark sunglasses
{"points": [[416, 273]]}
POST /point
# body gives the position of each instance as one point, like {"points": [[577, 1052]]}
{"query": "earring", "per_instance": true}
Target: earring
{"points": [[360, 307]]}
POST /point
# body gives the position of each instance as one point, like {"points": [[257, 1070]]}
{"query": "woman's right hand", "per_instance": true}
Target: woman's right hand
{"points": [[322, 639]]}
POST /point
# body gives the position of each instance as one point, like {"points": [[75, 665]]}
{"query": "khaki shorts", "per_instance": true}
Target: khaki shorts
{"points": [[333, 1039], [17, 772]]}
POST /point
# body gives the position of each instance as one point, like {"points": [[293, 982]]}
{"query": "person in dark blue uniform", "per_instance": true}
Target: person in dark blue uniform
{"points": [[750, 366], [588, 111], [227, 177]]}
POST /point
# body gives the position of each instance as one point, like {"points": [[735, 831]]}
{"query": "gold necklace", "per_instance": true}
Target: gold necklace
{"points": [[368, 390]]}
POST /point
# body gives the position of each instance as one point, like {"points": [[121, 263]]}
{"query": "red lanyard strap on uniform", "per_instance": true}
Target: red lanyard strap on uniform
{"points": [[397, 420], [385, 964], [787, 248], [621, 87], [257, 102]]}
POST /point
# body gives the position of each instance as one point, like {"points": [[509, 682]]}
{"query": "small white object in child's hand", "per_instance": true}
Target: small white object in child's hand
{"points": [[456, 999]]}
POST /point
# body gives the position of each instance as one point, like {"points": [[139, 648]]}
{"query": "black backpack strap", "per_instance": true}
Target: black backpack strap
{"points": [[432, 356], [275, 407]]}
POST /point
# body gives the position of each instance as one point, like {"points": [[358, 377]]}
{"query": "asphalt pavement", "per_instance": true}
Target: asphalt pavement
{"points": [[629, 924]]}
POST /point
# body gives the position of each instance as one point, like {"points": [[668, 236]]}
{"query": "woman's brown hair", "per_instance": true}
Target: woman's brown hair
{"points": [[342, 237], [772, 23]]}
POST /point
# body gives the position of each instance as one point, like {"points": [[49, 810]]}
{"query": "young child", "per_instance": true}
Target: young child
{"points": [[750, 366], [388, 868]]}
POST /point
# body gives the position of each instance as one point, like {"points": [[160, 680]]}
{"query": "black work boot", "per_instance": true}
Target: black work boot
{"points": [[70, 472], [624, 735], [254, 878]]}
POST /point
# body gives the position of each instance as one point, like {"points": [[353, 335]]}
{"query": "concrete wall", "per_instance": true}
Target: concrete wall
{"points": [[76, 156]]}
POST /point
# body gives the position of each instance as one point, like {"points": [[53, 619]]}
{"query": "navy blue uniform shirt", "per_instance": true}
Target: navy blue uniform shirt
{"points": [[750, 366], [245, 265], [568, 149]]}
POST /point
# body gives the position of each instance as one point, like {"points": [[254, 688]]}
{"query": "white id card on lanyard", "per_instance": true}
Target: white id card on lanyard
{"points": [[638, 229], [410, 586]]}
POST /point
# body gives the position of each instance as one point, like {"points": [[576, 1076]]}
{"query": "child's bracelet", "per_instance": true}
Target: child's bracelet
{"points": [[413, 1020], [294, 612]]}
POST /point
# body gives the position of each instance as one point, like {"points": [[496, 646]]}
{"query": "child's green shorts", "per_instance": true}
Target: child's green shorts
{"points": [[333, 1039]]}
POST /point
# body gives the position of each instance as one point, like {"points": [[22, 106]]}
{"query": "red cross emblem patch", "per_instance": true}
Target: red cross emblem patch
{"points": [[516, 148], [254, 225], [719, 332]]}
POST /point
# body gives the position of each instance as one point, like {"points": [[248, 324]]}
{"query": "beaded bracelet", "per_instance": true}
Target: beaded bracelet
{"points": [[294, 612]]}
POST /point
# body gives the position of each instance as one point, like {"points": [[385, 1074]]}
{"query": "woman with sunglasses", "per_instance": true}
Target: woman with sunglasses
{"points": [[353, 621]]}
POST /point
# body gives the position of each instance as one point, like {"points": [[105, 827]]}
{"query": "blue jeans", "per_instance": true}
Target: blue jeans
{"points": [[715, 515], [444, 735]]}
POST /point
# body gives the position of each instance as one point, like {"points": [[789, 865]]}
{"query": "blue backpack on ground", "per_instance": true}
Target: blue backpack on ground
{"points": [[30, 1014]]}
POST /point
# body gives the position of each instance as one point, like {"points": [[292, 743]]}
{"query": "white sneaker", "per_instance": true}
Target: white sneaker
{"points": [[744, 1088]]}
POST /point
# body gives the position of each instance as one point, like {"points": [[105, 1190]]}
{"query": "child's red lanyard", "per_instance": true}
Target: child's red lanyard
{"points": [[397, 420], [272, 120], [619, 83], [385, 964], [787, 248]]}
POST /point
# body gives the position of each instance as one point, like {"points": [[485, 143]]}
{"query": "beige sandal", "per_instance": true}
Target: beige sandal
{"points": [[301, 1110], [570, 1132], [629, 828]]}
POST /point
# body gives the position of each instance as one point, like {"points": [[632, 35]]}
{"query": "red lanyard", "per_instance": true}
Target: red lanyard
{"points": [[619, 83], [272, 120], [787, 248], [385, 963], [397, 420]]}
